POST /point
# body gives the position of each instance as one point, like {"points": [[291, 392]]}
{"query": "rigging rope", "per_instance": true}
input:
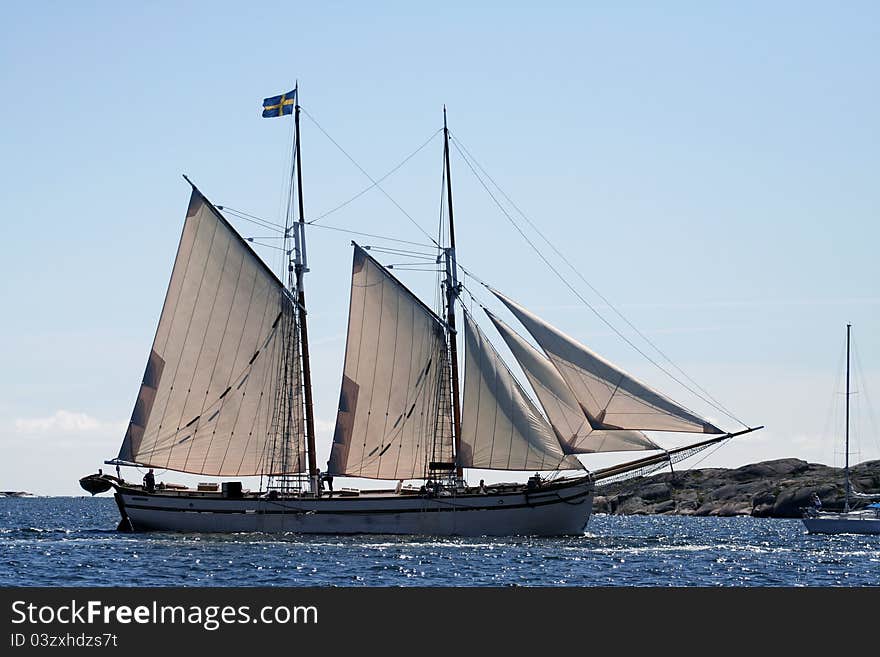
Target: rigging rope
{"points": [[833, 413], [653, 467], [373, 235], [375, 183], [280, 229], [265, 223], [705, 396], [402, 252], [596, 291], [411, 266], [862, 385], [268, 246]]}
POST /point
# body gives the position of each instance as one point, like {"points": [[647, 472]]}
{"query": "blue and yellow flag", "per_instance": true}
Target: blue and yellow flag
{"points": [[279, 105]]}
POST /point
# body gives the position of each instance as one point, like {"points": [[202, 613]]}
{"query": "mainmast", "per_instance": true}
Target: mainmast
{"points": [[300, 267], [846, 467], [452, 290]]}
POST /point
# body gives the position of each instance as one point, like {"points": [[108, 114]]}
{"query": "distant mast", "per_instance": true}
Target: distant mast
{"points": [[300, 267], [846, 467], [451, 295]]}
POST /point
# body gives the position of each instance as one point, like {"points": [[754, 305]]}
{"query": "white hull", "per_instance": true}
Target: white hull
{"points": [[854, 522], [552, 510]]}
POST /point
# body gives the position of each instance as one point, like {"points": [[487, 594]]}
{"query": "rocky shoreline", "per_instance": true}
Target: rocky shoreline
{"points": [[770, 489]]}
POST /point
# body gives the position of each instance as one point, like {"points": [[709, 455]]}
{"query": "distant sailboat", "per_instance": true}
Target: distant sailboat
{"points": [[227, 393], [849, 521]]}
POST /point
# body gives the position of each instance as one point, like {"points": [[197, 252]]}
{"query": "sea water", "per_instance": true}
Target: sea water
{"points": [[72, 541]]}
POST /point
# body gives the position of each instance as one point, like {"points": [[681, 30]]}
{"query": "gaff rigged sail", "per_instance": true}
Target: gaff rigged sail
{"points": [[391, 416], [214, 386]]}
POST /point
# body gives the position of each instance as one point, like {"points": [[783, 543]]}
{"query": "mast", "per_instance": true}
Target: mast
{"points": [[846, 467], [300, 268], [451, 295]]}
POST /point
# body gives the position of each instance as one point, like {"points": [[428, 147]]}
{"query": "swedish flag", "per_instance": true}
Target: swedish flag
{"points": [[279, 105]]}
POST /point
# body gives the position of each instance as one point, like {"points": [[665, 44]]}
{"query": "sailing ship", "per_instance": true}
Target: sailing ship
{"points": [[227, 393], [849, 521]]}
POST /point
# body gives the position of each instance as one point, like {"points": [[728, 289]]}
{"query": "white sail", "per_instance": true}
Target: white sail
{"points": [[566, 417], [220, 396], [501, 429], [608, 396], [392, 419]]}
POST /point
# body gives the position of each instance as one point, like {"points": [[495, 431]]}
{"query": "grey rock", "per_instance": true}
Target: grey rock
{"points": [[705, 509], [602, 504], [655, 492], [732, 509], [665, 507], [737, 490], [778, 488], [633, 505], [764, 499]]}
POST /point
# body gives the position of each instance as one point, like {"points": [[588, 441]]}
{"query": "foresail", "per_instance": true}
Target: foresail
{"points": [[222, 381], [501, 429], [610, 398], [566, 417], [392, 419]]}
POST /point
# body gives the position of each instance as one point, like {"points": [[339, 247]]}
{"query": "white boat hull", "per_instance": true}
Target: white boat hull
{"points": [[554, 510], [854, 522]]}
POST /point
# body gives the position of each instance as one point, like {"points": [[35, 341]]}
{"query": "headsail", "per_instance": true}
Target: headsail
{"points": [[566, 417], [215, 398], [501, 428], [392, 419], [610, 398]]}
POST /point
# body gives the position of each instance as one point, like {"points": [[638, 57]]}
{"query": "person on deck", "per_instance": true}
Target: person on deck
{"points": [[150, 481], [327, 479]]}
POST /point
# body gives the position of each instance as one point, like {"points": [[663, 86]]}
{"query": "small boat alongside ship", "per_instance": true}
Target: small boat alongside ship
{"points": [[227, 393]]}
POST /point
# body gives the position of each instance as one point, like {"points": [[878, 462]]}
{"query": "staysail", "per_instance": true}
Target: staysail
{"points": [[566, 417], [392, 419], [501, 428], [608, 396], [221, 392]]}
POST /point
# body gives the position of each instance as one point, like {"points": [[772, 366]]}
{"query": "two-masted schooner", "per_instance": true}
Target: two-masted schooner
{"points": [[227, 393]]}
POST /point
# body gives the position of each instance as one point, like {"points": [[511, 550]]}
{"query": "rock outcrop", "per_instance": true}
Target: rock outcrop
{"points": [[770, 489]]}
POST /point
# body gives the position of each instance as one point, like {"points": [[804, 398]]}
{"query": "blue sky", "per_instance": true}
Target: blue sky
{"points": [[711, 168]]}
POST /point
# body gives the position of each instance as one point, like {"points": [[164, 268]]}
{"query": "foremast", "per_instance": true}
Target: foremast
{"points": [[298, 268], [452, 290]]}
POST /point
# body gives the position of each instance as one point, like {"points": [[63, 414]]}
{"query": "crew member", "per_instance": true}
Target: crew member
{"points": [[150, 481]]}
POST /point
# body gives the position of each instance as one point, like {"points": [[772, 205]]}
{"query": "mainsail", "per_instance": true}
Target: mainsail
{"points": [[608, 396], [221, 391], [393, 418], [502, 429], [566, 417]]}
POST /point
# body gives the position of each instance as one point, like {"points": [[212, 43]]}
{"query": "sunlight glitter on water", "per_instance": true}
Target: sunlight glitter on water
{"points": [[71, 541]]}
